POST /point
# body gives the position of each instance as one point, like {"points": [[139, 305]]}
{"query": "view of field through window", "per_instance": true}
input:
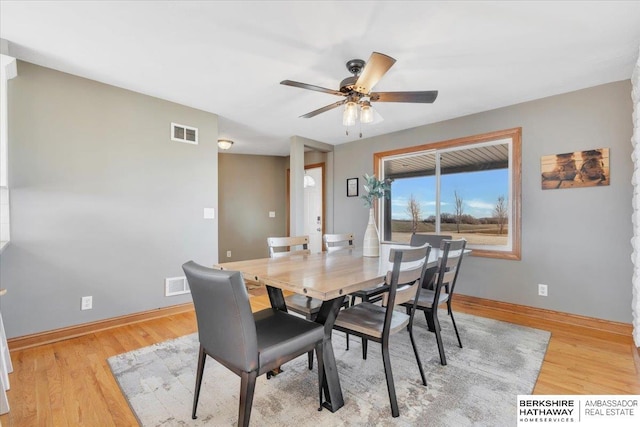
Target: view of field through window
{"points": [[474, 196]]}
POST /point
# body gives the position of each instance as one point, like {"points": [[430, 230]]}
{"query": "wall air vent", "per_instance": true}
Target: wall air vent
{"points": [[175, 286], [182, 133]]}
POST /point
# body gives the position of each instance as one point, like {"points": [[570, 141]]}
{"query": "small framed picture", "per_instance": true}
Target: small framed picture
{"points": [[352, 187]]}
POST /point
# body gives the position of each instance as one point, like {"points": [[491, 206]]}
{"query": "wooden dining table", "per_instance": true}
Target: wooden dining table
{"points": [[328, 277]]}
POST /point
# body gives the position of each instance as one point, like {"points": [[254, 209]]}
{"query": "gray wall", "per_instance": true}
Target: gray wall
{"points": [[250, 187], [103, 203], [577, 241]]}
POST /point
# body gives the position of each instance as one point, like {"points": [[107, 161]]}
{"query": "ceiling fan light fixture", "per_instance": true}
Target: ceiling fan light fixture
{"points": [[225, 144], [366, 112], [350, 114], [356, 91]]}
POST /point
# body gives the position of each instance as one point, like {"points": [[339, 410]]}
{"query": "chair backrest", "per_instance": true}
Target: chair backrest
{"points": [[287, 246], [337, 242], [226, 326], [449, 266], [435, 240], [408, 269]]}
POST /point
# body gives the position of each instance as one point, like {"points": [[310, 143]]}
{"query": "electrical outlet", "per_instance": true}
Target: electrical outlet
{"points": [[228, 254], [87, 303], [542, 290]]}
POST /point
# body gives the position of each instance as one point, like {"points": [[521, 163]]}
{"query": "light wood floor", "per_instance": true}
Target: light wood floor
{"points": [[69, 383]]}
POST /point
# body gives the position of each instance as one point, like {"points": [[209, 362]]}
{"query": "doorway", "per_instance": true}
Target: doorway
{"points": [[314, 206], [311, 213]]}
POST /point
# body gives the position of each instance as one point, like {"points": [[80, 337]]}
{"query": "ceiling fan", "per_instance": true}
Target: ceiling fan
{"points": [[356, 90]]}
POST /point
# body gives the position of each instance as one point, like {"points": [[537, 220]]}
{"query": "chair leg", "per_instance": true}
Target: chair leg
{"points": [[202, 357], [364, 348], [436, 330], [320, 372], [364, 340], [415, 351], [247, 387], [389, 375], [408, 310], [455, 328]]}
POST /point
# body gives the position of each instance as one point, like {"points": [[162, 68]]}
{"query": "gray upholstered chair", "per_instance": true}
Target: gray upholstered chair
{"points": [[378, 323], [301, 304], [446, 276], [247, 344]]}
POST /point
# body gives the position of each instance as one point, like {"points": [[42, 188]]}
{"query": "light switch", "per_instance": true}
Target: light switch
{"points": [[272, 214], [209, 213]]}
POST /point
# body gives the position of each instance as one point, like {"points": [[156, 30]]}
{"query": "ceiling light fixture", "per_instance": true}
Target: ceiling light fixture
{"points": [[366, 112], [225, 144], [356, 108], [350, 113]]}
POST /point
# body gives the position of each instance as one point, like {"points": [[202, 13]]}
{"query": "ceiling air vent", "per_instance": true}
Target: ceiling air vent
{"points": [[182, 133], [175, 286]]}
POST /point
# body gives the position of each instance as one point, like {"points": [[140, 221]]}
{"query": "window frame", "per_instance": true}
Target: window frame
{"points": [[515, 172]]}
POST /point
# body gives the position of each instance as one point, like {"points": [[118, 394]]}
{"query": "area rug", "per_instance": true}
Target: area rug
{"points": [[477, 387]]}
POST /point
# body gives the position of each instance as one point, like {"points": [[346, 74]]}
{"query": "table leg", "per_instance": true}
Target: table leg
{"points": [[276, 298], [331, 381], [429, 278], [429, 283]]}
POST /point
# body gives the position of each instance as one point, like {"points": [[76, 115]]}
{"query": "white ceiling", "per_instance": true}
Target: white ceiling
{"points": [[229, 57]]}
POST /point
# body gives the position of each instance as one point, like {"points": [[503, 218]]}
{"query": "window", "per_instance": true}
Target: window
{"points": [[468, 188]]}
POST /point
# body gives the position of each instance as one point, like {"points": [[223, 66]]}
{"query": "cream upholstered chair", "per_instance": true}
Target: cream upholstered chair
{"points": [[249, 344], [435, 240], [378, 323], [444, 285], [338, 242], [371, 294], [287, 246], [303, 305]]}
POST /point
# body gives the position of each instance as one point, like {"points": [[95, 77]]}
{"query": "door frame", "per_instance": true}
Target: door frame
{"points": [[324, 185]]}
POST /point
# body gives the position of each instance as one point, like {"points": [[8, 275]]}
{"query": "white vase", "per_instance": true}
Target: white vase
{"points": [[371, 244]]}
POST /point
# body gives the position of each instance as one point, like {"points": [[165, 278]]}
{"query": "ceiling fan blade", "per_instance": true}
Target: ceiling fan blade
{"points": [[323, 109], [427, 96], [376, 67], [311, 87]]}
